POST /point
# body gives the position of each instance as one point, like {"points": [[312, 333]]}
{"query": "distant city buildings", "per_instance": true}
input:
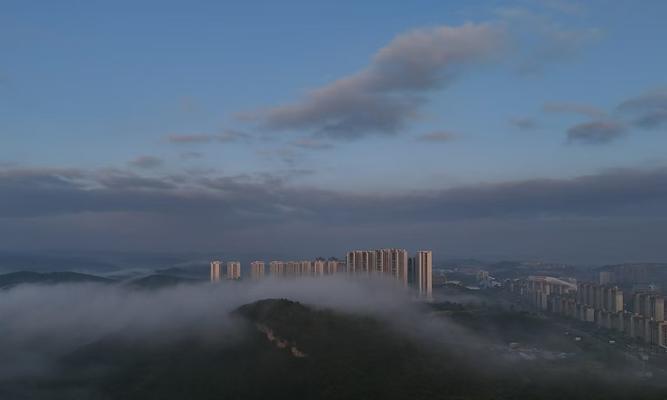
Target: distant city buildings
{"points": [[600, 304], [279, 269], [415, 271]]}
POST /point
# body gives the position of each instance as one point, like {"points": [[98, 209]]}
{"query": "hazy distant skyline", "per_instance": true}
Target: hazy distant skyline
{"points": [[528, 129]]}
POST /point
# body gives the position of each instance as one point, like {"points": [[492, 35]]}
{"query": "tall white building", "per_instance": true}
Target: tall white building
{"points": [[233, 270], [395, 263], [424, 273], [215, 270], [277, 268], [389, 262], [361, 261], [305, 268], [319, 266], [257, 270], [333, 267]]}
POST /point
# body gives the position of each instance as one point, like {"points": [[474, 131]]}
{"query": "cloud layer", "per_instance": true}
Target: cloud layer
{"points": [[261, 215], [32, 193]]}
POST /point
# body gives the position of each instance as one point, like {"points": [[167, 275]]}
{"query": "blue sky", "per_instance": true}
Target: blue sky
{"points": [[101, 87]]}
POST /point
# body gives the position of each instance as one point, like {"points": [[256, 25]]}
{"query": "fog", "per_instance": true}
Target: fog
{"points": [[40, 322]]}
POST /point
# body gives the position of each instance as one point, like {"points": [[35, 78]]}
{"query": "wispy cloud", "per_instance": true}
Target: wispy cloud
{"points": [[231, 135], [437, 137], [190, 155], [564, 6], [648, 110], [312, 144], [190, 138], [596, 132], [226, 136], [389, 92], [146, 162], [574, 108], [541, 41], [524, 123]]}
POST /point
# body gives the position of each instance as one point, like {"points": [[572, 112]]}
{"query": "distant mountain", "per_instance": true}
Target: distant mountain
{"points": [[193, 271], [286, 350], [154, 281], [46, 278], [157, 281], [10, 262]]}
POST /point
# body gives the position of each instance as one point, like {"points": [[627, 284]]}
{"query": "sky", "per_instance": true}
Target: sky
{"points": [[495, 129]]}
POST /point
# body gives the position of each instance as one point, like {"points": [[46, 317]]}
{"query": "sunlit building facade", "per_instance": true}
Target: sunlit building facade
{"points": [[424, 273], [215, 270], [233, 270], [257, 270]]}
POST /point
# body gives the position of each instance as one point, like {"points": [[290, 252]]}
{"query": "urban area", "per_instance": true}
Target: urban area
{"points": [[414, 272]]}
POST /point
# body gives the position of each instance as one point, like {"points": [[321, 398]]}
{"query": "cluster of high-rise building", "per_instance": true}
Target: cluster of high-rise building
{"points": [[232, 270], [647, 319], [540, 291], [390, 262], [603, 305], [318, 267], [414, 271], [277, 269]]}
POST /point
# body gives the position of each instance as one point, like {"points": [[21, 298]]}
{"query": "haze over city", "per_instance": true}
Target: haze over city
{"points": [[297, 129]]}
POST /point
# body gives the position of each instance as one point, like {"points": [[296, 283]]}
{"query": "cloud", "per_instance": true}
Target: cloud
{"points": [[285, 154], [567, 7], [188, 104], [268, 214], [133, 182], [191, 138], [312, 144], [436, 137], [231, 135], [228, 135], [383, 97], [524, 124], [540, 41], [146, 162], [648, 110], [574, 108], [189, 155], [596, 132]]}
